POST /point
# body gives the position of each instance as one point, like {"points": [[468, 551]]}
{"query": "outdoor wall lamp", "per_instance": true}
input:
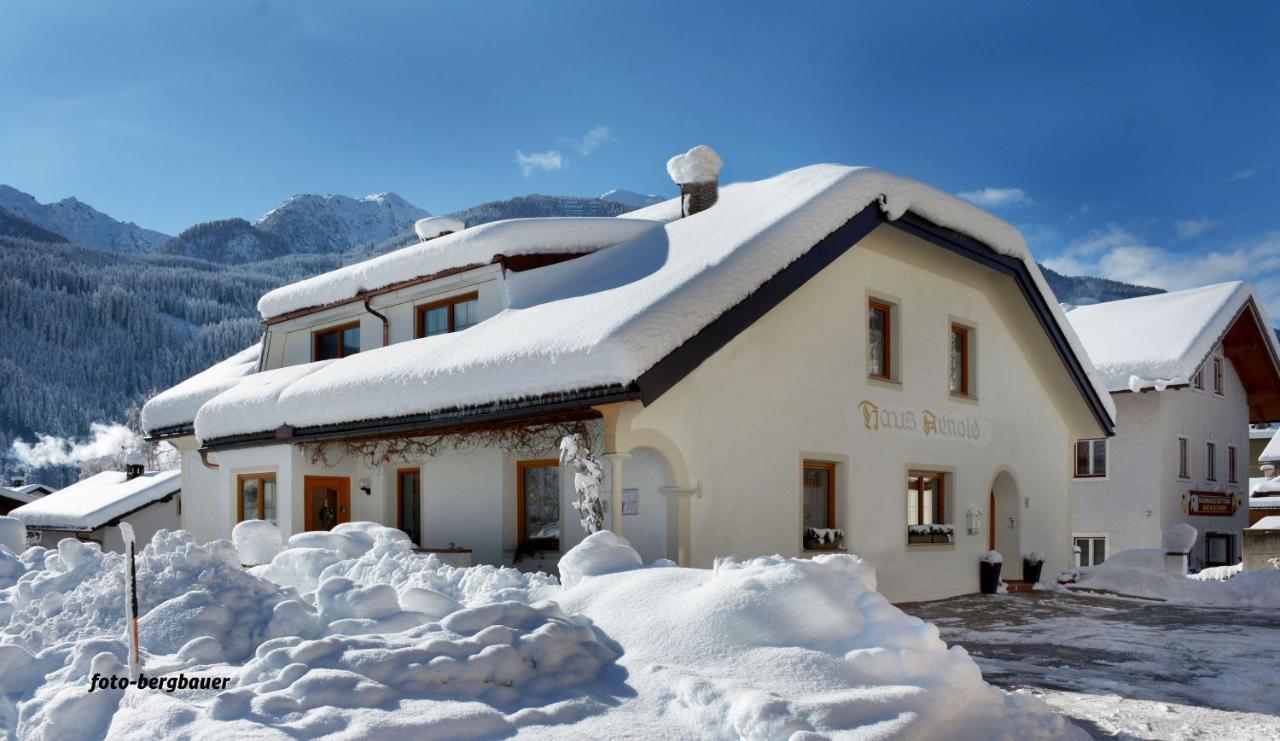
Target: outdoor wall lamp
{"points": [[364, 487]]}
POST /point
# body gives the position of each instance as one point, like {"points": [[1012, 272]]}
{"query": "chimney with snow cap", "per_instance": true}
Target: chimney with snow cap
{"points": [[134, 465], [437, 226], [697, 172]]}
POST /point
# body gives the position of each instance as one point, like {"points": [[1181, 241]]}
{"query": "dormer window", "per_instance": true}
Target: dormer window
{"points": [[335, 342], [453, 314]]}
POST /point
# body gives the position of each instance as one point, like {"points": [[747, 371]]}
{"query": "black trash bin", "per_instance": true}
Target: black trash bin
{"points": [[989, 576], [1031, 570]]}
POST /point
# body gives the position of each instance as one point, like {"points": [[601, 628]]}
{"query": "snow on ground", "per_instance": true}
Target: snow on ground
{"points": [[1141, 573], [349, 634], [1122, 667]]}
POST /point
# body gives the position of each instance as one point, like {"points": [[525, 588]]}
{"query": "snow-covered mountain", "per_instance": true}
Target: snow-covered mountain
{"points": [[330, 223], [228, 241], [80, 223], [631, 198]]}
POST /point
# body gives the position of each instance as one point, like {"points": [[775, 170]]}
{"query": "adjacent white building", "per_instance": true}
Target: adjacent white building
{"points": [[18, 493], [1189, 371], [91, 509], [832, 358]]}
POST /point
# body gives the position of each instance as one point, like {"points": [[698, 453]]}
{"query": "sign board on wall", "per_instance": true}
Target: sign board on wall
{"points": [[1210, 504], [923, 422], [630, 501]]}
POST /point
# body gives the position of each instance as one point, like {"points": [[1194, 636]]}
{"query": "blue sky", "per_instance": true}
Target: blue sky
{"points": [[1136, 141]]}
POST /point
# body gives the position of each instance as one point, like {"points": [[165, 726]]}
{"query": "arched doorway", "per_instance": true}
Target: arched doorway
{"points": [[1004, 524], [650, 517]]}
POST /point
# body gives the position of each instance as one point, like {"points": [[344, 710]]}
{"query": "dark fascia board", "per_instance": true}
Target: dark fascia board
{"points": [[169, 433], [542, 406], [656, 381]]}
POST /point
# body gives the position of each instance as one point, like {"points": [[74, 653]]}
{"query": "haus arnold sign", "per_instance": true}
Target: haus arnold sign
{"points": [[925, 422]]}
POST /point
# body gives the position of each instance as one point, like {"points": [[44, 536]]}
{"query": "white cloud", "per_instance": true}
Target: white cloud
{"points": [[1252, 172], [548, 161], [1192, 228], [554, 159], [997, 197]]}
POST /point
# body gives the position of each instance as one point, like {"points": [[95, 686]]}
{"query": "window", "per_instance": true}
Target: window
{"points": [[1093, 549], [959, 352], [538, 504], [256, 497], [1232, 476], [1219, 549], [926, 498], [879, 340], [1091, 458], [409, 503], [450, 315], [1211, 462], [335, 342], [1183, 472], [1197, 381], [1217, 376], [819, 495]]}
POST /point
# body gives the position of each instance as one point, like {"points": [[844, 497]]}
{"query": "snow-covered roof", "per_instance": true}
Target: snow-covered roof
{"points": [[1271, 522], [1271, 453], [28, 493], [177, 406], [1161, 340], [476, 246], [97, 500], [605, 318], [1262, 432]]}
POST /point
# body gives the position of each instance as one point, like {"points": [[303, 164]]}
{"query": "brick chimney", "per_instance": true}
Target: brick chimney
{"points": [[697, 172], [134, 465], [18, 482]]}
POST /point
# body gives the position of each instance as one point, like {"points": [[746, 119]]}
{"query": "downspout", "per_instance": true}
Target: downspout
{"points": [[386, 326], [204, 459]]}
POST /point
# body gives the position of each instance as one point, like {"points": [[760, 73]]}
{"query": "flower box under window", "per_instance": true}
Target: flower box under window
{"points": [[917, 534], [823, 539]]}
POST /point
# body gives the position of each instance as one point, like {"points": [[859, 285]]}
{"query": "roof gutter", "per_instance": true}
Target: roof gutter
{"points": [[542, 406]]}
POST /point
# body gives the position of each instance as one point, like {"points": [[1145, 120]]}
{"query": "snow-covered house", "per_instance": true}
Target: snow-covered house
{"points": [[830, 358], [1189, 371], [18, 493], [91, 508]]}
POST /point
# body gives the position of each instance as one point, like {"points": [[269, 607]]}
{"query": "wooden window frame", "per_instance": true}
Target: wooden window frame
{"points": [[1184, 463], [339, 329], [1091, 474], [400, 498], [420, 312], [1211, 461], [887, 334], [965, 334], [1232, 476], [830, 468], [261, 478], [1197, 379], [920, 475], [1217, 377], [522, 538]]}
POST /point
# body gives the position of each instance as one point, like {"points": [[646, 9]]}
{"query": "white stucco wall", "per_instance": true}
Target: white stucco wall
{"points": [[789, 388], [1143, 463]]}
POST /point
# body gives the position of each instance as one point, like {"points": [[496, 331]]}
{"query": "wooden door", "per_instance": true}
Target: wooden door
{"points": [[991, 521], [328, 501]]}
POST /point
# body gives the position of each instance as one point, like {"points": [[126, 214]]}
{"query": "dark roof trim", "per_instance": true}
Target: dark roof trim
{"points": [[168, 433], [1014, 267], [109, 523], [496, 413]]}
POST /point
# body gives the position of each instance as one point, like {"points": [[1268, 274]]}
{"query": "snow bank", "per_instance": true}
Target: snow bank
{"points": [[91, 503], [778, 648], [1141, 573], [434, 226], [605, 318], [598, 553], [257, 541], [13, 534], [177, 406], [699, 165]]}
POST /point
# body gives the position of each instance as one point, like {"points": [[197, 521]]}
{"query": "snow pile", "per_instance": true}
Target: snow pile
{"points": [[992, 557], [1033, 557], [435, 226], [257, 541], [778, 648], [1217, 573], [605, 318], [90, 503], [699, 165], [1178, 538], [598, 553], [1141, 573], [13, 534], [177, 406], [1161, 340]]}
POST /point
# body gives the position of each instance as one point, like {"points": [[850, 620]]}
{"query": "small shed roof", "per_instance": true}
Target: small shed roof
{"points": [[89, 504]]}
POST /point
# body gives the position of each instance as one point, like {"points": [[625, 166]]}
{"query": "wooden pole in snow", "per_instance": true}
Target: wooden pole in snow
{"points": [[131, 600]]}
